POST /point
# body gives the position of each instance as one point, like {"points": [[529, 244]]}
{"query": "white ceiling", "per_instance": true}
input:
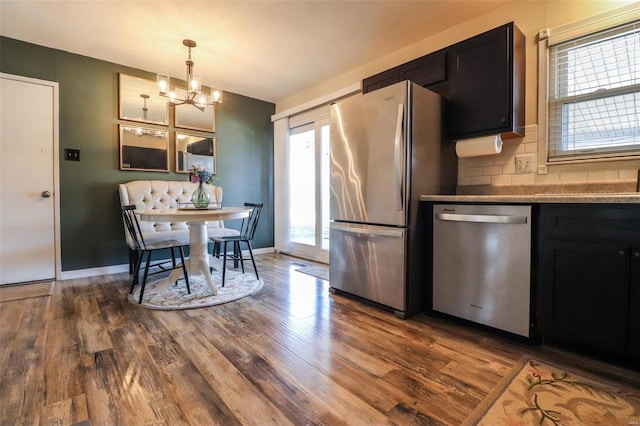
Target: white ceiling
{"points": [[268, 50]]}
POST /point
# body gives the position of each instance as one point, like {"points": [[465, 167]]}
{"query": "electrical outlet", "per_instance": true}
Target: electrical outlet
{"points": [[524, 163]]}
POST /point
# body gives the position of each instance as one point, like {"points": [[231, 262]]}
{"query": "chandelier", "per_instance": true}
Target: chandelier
{"points": [[193, 93]]}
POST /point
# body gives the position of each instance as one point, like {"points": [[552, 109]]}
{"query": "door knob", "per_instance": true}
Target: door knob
{"points": [[46, 194]]}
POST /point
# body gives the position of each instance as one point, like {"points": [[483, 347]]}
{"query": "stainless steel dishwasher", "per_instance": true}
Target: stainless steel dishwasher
{"points": [[482, 264]]}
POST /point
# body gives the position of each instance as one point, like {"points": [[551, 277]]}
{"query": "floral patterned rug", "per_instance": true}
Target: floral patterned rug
{"points": [[538, 393], [236, 286]]}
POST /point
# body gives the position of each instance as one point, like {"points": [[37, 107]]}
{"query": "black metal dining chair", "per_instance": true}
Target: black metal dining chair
{"points": [[137, 244], [247, 231]]}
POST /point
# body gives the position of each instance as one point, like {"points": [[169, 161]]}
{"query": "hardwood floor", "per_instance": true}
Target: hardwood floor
{"points": [[290, 354]]}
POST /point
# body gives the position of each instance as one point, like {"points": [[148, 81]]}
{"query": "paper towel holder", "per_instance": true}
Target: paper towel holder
{"points": [[478, 147]]}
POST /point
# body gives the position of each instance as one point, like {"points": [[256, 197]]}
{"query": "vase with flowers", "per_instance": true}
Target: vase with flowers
{"points": [[200, 197]]}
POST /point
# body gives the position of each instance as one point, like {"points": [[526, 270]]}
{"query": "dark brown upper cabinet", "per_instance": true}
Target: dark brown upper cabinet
{"points": [[428, 70], [383, 79], [486, 84], [483, 78]]}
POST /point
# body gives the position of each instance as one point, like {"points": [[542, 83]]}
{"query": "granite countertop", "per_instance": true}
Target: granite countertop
{"points": [[575, 198]]}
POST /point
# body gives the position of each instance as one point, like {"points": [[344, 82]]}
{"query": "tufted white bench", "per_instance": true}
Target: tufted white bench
{"points": [[162, 194]]}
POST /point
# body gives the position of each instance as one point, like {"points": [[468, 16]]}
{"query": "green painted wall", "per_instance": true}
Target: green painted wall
{"points": [[91, 226]]}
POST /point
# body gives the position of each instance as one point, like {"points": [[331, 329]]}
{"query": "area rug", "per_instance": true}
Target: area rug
{"points": [[26, 291], [236, 286], [319, 271], [538, 393]]}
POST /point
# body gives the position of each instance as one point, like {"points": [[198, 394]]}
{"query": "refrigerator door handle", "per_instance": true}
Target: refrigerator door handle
{"points": [[393, 232], [398, 145], [481, 218]]}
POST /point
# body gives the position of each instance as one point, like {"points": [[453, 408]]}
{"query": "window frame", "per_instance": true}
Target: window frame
{"points": [[551, 37]]}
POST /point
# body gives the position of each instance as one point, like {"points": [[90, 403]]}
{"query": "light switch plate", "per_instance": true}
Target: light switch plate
{"points": [[72, 154]]}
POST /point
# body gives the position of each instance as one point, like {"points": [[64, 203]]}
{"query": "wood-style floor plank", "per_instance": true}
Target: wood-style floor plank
{"points": [[292, 354]]}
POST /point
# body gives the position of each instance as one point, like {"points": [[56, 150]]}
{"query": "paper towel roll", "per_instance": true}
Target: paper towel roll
{"points": [[476, 147]]}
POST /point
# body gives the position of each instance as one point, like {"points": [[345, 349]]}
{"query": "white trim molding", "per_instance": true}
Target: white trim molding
{"points": [[346, 91], [117, 269]]}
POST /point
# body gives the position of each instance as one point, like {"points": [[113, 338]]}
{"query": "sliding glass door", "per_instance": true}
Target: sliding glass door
{"points": [[308, 190]]}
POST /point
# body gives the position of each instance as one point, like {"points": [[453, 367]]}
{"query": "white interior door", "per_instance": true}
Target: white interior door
{"points": [[28, 179]]}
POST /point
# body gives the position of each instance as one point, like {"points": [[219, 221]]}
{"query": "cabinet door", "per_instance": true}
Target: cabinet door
{"points": [[383, 79], [427, 70], [590, 293], [634, 305], [481, 84]]}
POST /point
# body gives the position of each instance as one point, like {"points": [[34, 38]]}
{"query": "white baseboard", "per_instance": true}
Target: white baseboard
{"points": [[94, 272], [117, 269]]}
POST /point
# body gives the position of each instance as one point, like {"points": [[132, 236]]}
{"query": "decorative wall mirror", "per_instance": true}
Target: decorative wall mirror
{"points": [[144, 149], [194, 149], [189, 117], [139, 101]]}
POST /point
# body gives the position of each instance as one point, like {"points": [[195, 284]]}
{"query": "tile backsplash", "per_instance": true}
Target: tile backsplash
{"points": [[500, 170]]}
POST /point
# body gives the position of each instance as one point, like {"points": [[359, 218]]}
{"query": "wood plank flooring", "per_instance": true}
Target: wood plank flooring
{"points": [[290, 354]]}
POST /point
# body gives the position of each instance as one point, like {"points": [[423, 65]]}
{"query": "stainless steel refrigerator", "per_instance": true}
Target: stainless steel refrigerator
{"points": [[387, 148]]}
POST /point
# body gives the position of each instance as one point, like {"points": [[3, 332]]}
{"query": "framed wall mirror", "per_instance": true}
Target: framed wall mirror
{"points": [[189, 117], [144, 149], [139, 101], [194, 149]]}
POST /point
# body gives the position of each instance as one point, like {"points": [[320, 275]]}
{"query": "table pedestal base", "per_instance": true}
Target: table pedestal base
{"points": [[198, 262]]}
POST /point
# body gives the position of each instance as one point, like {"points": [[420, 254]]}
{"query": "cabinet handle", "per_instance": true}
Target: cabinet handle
{"points": [[636, 254], [503, 120], [622, 252]]}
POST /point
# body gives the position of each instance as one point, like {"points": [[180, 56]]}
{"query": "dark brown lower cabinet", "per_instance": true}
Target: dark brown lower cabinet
{"points": [[590, 285], [589, 279], [634, 305]]}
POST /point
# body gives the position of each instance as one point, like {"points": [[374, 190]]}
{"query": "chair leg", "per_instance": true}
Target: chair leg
{"points": [[144, 278], [184, 268], [237, 251], [132, 262], [224, 262], [173, 259], [235, 255], [213, 252], [136, 273], [252, 259]]}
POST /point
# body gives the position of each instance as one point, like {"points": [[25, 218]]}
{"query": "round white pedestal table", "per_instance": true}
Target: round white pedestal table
{"points": [[198, 261]]}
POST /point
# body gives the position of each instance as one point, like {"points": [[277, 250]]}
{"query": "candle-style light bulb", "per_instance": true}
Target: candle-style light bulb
{"points": [[216, 96], [163, 83]]}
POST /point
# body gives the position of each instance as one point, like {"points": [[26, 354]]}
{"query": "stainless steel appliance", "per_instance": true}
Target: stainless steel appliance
{"points": [[387, 149], [482, 264]]}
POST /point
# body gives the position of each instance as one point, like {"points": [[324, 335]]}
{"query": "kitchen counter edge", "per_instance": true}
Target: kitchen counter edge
{"points": [[594, 198]]}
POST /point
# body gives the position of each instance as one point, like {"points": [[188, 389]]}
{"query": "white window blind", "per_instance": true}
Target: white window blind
{"points": [[594, 95]]}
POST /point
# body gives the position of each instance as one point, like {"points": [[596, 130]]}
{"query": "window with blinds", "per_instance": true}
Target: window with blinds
{"points": [[594, 95]]}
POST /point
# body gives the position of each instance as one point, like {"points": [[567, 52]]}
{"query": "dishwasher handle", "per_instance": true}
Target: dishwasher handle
{"points": [[481, 218]]}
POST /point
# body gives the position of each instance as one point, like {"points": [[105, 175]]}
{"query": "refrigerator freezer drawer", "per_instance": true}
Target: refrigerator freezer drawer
{"points": [[369, 261]]}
